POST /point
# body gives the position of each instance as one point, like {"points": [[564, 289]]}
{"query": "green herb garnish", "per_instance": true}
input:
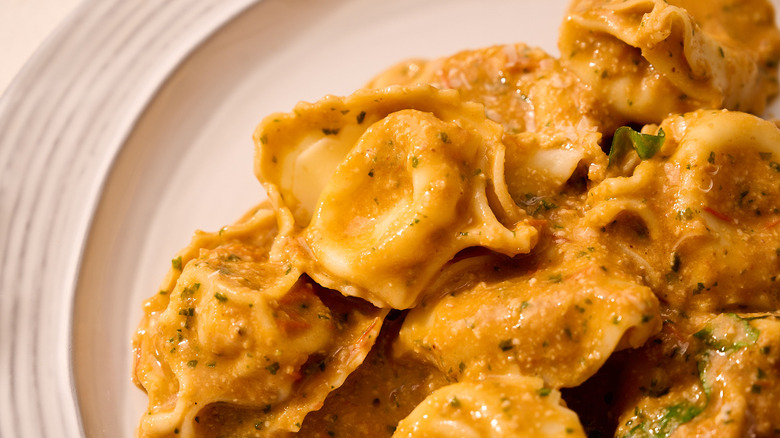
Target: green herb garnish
{"points": [[645, 145], [273, 368], [728, 332]]}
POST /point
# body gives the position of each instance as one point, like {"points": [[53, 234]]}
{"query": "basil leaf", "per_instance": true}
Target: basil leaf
{"points": [[728, 332], [661, 423], [645, 145]]}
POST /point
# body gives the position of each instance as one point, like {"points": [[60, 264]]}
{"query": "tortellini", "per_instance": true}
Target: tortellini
{"points": [[652, 58], [709, 374], [559, 323], [500, 243], [430, 175], [694, 219], [521, 88], [238, 332], [384, 389], [510, 406]]}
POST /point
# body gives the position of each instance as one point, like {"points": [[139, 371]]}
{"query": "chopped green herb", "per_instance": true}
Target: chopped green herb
{"points": [[220, 297], [686, 214], [664, 423], [505, 345], [360, 117], [645, 145], [702, 364], [444, 138], [555, 278], [176, 263], [728, 332], [273, 368], [544, 392], [192, 363], [190, 290], [415, 161], [543, 203]]}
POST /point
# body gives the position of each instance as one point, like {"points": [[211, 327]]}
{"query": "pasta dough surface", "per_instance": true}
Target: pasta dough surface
{"points": [[499, 406]]}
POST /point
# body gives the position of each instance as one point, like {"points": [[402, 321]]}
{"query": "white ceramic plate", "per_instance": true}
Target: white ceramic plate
{"points": [[131, 128]]}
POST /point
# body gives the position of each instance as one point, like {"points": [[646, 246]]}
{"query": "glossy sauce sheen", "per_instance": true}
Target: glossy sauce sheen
{"points": [[500, 243]]}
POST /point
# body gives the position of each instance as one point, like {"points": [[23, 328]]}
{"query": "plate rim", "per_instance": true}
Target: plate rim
{"points": [[179, 28]]}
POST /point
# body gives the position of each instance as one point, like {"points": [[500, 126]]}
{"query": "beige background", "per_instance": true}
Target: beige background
{"points": [[24, 25]]}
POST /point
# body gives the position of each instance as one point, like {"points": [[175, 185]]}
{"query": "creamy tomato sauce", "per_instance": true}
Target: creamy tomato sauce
{"points": [[500, 243]]}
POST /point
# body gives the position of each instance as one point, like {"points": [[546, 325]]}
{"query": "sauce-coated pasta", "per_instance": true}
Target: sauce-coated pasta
{"points": [[500, 243]]}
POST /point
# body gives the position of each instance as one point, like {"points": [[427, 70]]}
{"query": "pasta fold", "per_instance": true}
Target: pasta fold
{"points": [[430, 176], [559, 323], [506, 406], [652, 58], [240, 342], [699, 219], [708, 374]]}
